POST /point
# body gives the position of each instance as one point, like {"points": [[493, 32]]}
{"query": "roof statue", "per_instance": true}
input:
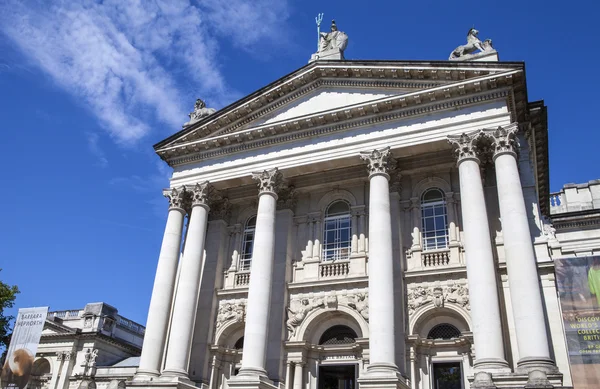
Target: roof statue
{"points": [[465, 52], [330, 45], [200, 112]]}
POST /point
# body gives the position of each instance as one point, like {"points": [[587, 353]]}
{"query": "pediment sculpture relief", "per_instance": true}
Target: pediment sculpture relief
{"points": [[473, 44]]}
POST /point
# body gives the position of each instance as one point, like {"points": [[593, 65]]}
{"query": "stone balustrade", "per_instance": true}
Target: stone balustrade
{"points": [[334, 269]]}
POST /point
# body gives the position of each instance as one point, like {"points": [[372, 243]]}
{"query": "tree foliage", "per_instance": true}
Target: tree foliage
{"points": [[8, 294]]}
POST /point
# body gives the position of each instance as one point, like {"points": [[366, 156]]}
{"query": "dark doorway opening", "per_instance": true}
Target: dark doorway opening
{"points": [[447, 376], [337, 377]]}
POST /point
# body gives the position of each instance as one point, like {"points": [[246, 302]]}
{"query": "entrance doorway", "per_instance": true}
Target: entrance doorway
{"points": [[447, 376], [337, 376]]}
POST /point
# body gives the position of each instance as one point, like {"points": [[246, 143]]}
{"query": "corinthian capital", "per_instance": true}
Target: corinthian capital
{"points": [[268, 181], [504, 140], [379, 162], [176, 197], [466, 145], [200, 193]]}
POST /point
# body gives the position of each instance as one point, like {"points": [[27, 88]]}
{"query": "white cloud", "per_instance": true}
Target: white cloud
{"points": [[94, 147], [133, 62]]}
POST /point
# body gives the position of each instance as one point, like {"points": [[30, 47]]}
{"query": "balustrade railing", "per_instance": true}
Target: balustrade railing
{"points": [[242, 279], [334, 269], [72, 314], [131, 325], [435, 258]]}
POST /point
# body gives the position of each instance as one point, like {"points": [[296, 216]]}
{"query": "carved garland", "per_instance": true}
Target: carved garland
{"points": [[437, 295]]}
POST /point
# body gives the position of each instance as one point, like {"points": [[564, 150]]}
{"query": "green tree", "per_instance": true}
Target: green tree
{"points": [[8, 294]]}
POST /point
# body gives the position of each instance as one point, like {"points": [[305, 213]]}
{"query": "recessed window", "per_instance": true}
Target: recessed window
{"points": [[434, 219], [337, 232], [444, 331], [248, 243], [339, 334], [239, 345]]}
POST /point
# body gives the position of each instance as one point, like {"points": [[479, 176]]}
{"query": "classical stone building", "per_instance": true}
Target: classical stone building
{"points": [[399, 235], [87, 348]]}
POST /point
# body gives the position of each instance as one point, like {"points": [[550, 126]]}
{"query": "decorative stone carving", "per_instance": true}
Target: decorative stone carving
{"points": [[438, 295], [297, 312], [473, 44], [379, 161], [88, 322], [200, 193], [504, 139], [286, 197], [268, 181], [360, 302], [176, 197], [548, 229], [200, 112], [89, 359], [334, 39], [64, 355], [228, 311], [331, 301], [466, 145], [220, 208]]}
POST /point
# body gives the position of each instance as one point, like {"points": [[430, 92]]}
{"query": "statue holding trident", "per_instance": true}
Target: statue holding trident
{"points": [[331, 45]]}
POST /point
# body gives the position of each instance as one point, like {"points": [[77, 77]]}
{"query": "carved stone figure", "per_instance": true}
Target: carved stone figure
{"points": [[230, 311], [333, 40], [473, 44], [360, 302], [438, 296], [200, 111], [418, 297], [457, 294], [297, 315]]}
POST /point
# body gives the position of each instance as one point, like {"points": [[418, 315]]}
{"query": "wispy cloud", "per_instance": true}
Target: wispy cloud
{"points": [[94, 147], [134, 62]]}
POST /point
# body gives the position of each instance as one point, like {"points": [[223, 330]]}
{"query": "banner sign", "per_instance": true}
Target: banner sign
{"points": [[23, 346], [579, 290]]}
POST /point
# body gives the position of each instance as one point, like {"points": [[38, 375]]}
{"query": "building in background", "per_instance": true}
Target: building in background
{"points": [[87, 348]]}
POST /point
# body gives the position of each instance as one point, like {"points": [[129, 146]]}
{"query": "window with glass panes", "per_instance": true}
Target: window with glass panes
{"points": [[337, 232], [434, 219], [248, 244]]}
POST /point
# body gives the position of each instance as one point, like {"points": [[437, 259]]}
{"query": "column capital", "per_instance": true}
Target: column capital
{"points": [[268, 181], [503, 139], [176, 197], [200, 194], [379, 162], [466, 145]]}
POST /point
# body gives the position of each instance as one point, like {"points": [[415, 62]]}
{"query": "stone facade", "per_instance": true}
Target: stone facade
{"points": [[94, 347]]}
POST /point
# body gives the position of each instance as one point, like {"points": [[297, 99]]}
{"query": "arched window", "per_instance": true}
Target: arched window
{"points": [[434, 219], [444, 331], [339, 334], [336, 232], [248, 244]]}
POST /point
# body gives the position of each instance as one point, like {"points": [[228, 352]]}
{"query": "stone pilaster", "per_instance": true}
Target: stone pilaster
{"points": [[481, 270]]}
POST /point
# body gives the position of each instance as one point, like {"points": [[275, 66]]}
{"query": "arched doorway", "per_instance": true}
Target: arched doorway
{"points": [[440, 350]]}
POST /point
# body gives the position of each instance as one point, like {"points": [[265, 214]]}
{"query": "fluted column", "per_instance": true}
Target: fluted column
{"points": [[186, 298], [259, 290], [481, 270], [523, 279], [162, 292], [381, 269]]}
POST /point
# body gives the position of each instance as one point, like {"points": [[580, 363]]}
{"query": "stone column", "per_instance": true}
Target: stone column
{"points": [[186, 298], [298, 375], [259, 290], [382, 369], [162, 292], [481, 269], [523, 279]]}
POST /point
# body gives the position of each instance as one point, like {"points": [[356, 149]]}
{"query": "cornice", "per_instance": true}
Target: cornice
{"points": [[397, 107]]}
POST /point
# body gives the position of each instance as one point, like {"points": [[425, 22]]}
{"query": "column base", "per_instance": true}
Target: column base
{"points": [[162, 383], [146, 375], [174, 372], [248, 380], [491, 365], [534, 380], [382, 376], [529, 364]]}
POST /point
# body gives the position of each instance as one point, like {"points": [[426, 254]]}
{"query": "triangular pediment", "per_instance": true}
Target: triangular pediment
{"points": [[327, 93], [52, 327]]}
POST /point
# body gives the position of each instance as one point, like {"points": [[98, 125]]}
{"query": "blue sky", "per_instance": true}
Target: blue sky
{"points": [[86, 88]]}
